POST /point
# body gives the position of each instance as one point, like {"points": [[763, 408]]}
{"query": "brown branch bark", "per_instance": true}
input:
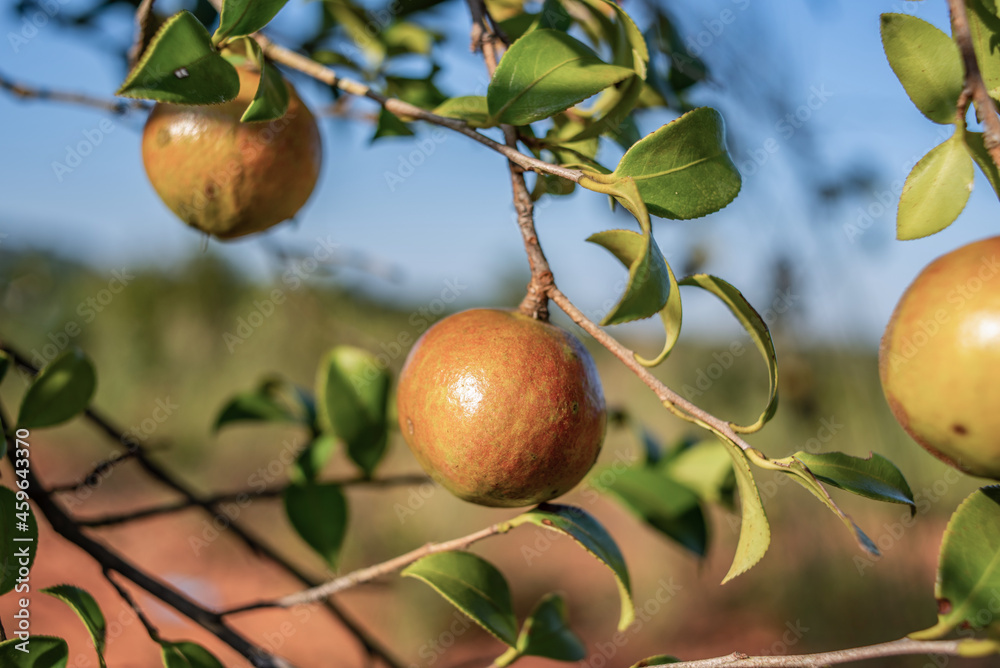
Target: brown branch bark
{"points": [[26, 92], [227, 497], [903, 647], [66, 527], [975, 87], [370, 644], [370, 573]]}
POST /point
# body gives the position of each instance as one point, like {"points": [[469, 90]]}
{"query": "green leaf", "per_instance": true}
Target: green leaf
{"points": [[244, 17], [630, 46], [984, 26], [936, 190], [271, 99], [621, 101], [469, 108], [18, 533], [352, 394], [313, 458], [968, 579], [927, 63], [649, 276], [545, 72], [389, 125], [705, 468], [664, 504], [588, 532], [187, 655], [43, 652], [874, 477], [977, 149], [553, 16], [683, 170], [181, 66], [61, 391], [84, 605], [755, 531], [265, 404], [546, 632], [404, 37], [474, 586], [318, 512], [802, 475], [759, 334]]}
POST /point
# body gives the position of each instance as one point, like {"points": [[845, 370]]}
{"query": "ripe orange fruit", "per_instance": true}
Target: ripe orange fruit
{"points": [[228, 178], [501, 409], [940, 359]]}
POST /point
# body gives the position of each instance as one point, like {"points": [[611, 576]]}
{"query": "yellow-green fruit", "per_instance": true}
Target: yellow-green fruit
{"points": [[228, 178], [501, 409], [940, 359]]}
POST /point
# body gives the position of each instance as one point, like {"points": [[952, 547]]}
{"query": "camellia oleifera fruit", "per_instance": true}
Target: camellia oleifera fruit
{"points": [[228, 178], [501, 409], [940, 359]]}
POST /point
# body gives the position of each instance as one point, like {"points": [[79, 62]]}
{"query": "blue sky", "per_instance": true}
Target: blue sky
{"points": [[451, 219]]}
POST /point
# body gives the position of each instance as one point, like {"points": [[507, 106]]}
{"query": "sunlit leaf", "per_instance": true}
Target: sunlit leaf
{"points": [[86, 608], [187, 655], [469, 108], [45, 652], [755, 531], [927, 63], [271, 99], [874, 477], [243, 17], [977, 149], [936, 190]]}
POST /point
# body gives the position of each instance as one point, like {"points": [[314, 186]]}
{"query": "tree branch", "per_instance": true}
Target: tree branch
{"points": [[228, 497], [66, 527], [975, 87], [32, 93], [370, 573], [150, 629], [371, 645], [902, 647]]}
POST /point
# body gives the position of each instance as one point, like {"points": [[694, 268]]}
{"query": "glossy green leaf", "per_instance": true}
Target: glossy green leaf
{"points": [[474, 586], [43, 652], [594, 538], [705, 468], [244, 17], [267, 403], [545, 72], [683, 170], [936, 190], [61, 391], [968, 579], [470, 108], [977, 149], [759, 334], [271, 99], [874, 477], [318, 512], [755, 531], [389, 125], [546, 632], [984, 26], [664, 504], [18, 538], [352, 395], [927, 63], [181, 66], [187, 655], [86, 608], [649, 280], [802, 475], [313, 458]]}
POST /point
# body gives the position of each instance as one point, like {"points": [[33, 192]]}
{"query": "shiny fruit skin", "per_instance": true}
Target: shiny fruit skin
{"points": [[501, 409], [939, 360], [228, 178]]}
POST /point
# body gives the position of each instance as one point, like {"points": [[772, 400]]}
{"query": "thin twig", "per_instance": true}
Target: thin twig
{"points": [[243, 497], [66, 527], [903, 647], [26, 92], [93, 478], [370, 573], [150, 629], [986, 110], [370, 644]]}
